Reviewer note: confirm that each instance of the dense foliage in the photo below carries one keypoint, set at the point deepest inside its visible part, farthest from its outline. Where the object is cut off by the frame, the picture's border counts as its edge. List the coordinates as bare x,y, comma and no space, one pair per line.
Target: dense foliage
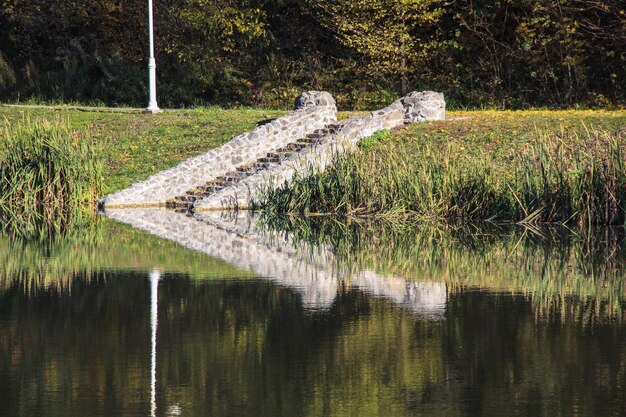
507,53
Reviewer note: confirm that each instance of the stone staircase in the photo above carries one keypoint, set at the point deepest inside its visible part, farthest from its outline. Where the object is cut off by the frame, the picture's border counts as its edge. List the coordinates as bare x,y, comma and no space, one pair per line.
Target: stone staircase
276,157
235,175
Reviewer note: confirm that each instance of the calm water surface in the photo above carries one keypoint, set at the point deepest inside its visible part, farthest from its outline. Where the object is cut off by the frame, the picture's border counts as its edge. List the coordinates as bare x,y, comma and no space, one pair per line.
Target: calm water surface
145,327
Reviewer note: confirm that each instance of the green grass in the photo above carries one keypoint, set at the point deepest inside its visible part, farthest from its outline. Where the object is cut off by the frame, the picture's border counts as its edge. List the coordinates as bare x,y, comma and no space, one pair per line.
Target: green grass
490,143
503,134
534,166
47,169
136,145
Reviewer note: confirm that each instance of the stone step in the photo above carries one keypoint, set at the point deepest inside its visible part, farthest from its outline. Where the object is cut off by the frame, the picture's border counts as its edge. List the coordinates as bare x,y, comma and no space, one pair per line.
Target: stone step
235,174
186,199
210,189
267,160
221,185
225,180
217,182
197,192
185,202
260,166
310,141
279,155
244,168
328,130
295,147
247,169
235,177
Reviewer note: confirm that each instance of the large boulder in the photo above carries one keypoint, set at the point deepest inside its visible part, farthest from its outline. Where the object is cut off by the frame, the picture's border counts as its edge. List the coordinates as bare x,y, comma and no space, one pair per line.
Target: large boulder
315,98
424,106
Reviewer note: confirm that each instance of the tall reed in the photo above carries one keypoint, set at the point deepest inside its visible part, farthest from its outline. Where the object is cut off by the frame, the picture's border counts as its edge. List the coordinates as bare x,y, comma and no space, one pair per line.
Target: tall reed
565,178
47,169
573,178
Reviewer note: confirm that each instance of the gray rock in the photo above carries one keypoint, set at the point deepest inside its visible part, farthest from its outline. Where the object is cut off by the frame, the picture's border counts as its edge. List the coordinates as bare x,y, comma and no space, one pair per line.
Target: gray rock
424,106
315,98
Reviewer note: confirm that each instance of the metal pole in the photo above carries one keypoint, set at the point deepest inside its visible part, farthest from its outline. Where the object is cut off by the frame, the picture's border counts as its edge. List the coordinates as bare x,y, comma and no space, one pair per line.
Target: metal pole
153,107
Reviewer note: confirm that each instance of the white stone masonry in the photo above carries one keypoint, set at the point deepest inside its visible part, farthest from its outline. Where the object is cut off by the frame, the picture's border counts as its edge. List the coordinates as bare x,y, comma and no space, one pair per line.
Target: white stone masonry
314,111
410,109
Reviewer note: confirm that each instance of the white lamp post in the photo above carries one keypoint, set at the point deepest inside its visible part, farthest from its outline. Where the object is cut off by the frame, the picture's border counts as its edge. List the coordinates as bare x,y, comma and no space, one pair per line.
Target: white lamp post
153,107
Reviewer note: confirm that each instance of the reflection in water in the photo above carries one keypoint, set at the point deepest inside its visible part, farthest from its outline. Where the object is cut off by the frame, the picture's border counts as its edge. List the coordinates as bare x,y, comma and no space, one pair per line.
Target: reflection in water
154,322
560,270
313,271
355,321
248,348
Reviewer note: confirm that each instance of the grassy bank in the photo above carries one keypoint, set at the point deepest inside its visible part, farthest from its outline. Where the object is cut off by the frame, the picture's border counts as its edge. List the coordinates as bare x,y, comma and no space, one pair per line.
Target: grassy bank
47,170
534,167
135,146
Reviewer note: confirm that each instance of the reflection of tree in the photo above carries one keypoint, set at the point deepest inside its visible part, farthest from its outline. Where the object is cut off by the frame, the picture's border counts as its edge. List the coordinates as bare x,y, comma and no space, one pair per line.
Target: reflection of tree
249,350
89,346
54,260
253,350
235,348
510,363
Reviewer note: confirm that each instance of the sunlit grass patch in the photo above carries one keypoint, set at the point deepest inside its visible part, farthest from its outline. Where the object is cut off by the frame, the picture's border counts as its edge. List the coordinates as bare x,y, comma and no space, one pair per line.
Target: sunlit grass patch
137,145
47,168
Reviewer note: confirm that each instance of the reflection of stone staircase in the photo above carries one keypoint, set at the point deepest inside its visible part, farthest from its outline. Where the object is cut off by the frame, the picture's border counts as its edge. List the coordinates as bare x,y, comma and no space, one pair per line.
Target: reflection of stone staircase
313,271
271,159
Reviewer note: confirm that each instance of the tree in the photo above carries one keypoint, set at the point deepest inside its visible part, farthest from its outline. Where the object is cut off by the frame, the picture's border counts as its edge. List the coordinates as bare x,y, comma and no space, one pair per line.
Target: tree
390,37
553,52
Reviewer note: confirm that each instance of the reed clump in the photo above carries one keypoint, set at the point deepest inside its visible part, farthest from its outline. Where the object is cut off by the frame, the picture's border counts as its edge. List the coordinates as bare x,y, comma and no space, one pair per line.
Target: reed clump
564,178
47,169
573,178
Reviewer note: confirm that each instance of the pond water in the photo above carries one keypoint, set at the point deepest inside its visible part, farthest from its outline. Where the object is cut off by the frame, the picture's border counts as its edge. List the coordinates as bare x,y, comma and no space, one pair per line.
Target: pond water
230,316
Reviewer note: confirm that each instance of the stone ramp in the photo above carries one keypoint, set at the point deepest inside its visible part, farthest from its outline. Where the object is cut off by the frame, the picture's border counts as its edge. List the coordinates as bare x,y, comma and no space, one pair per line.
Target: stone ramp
271,160
415,107
310,271
233,176
314,110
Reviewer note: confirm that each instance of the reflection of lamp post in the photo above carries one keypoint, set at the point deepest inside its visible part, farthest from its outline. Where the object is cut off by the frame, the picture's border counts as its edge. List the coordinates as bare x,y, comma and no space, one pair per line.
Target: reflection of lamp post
153,107
154,311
